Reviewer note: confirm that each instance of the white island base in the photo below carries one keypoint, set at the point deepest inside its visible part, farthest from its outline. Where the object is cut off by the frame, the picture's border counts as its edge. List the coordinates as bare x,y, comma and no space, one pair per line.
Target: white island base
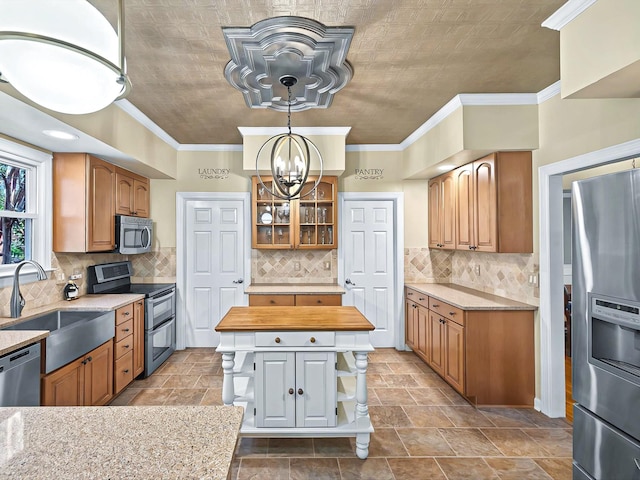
299,383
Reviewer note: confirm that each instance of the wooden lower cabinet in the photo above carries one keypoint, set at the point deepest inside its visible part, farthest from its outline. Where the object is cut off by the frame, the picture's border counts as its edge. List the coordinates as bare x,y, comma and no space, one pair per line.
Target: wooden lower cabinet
485,355
87,381
290,300
128,361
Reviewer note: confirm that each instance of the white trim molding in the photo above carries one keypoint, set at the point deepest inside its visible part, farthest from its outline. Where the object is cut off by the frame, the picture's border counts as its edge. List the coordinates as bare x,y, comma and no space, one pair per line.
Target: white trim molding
181,244
209,147
344,131
567,13
146,122
552,386
382,147
398,213
549,92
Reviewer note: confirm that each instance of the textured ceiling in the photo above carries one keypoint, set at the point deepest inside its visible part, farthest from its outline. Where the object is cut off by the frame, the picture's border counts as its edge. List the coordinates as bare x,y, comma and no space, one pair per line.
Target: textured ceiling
410,57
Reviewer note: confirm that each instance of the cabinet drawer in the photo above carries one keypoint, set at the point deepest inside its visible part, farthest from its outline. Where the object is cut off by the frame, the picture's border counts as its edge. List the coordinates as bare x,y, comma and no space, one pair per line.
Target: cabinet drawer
272,300
123,346
124,329
295,339
417,297
123,372
448,311
124,313
315,300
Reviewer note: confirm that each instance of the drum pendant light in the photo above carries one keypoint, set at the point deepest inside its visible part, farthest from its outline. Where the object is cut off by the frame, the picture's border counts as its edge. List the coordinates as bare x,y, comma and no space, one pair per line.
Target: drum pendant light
63,54
290,158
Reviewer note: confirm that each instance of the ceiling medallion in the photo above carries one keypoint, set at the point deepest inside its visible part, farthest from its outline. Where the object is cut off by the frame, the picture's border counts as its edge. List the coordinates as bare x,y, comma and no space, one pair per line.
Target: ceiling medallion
288,46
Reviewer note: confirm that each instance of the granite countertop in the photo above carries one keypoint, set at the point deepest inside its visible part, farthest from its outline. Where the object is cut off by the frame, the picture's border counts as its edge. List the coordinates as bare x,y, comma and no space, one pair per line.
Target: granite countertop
468,298
118,442
11,340
294,289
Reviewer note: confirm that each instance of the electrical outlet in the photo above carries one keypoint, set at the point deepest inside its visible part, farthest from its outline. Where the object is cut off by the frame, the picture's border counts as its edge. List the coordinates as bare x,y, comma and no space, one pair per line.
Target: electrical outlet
327,265
477,269
296,266
533,280
75,276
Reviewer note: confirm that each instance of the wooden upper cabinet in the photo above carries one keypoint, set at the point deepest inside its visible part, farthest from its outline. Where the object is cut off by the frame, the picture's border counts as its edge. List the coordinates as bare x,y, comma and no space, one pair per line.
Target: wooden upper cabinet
83,203
442,226
132,194
493,204
310,222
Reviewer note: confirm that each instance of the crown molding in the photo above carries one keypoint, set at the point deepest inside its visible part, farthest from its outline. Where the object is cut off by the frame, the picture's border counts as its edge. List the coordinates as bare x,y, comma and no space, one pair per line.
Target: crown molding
344,131
567,13
208,147
133,111
382,147
549,92
450,107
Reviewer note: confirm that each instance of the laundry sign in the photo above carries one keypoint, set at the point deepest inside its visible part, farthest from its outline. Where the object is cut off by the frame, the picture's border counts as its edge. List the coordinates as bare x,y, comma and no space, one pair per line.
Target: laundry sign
369,173
214,173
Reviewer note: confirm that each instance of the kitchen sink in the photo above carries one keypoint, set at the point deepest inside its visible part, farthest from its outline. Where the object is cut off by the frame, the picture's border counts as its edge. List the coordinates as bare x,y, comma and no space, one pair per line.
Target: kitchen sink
72,333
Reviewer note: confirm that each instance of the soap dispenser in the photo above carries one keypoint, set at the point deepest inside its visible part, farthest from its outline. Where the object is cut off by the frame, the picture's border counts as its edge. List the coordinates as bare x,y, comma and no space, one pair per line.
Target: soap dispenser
70,291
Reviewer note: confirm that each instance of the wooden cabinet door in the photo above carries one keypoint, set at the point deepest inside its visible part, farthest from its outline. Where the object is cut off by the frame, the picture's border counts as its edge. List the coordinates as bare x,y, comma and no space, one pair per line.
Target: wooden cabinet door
464,207
141,198
138,338
65,386
124,194
436,355
448,210
315,389
485,205
411,324
435,213
454,356
275,394
101,221
98,375
422,320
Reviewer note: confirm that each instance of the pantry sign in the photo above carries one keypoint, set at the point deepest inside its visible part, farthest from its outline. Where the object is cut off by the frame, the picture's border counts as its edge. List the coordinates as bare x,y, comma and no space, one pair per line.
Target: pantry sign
369,173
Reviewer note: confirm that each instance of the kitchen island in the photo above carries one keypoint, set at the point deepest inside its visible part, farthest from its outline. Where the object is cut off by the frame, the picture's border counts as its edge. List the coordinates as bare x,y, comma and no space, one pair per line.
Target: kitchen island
118,442
298,372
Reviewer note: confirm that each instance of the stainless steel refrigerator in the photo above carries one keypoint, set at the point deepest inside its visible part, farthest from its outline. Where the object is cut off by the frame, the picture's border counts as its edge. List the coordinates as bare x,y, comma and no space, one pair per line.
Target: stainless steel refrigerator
606,326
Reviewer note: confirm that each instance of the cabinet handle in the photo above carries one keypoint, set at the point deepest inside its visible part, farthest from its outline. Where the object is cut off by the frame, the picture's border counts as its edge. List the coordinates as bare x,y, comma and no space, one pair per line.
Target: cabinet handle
421,298
291,391
443,321
272,301
435,305
126,346
414,306
125,329
84,362
126,371
472,247
140,302
126,314
312,339
319,301
277,339
452,313
300,392
89,359
410,294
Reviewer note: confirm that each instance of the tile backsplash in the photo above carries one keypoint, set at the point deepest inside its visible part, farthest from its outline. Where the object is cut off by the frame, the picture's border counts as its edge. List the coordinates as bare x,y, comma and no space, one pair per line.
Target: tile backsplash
161,263
503,274
294,266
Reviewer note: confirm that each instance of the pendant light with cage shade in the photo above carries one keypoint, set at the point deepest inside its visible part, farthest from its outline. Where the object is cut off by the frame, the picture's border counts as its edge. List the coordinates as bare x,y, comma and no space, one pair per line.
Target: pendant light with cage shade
290,158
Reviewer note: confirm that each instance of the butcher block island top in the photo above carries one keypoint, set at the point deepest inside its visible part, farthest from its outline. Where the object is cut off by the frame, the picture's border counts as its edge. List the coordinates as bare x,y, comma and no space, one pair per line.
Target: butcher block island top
325,318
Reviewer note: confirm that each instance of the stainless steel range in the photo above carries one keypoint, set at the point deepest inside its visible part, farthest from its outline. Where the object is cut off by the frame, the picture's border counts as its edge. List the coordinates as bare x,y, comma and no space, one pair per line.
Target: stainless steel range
159,312
606,327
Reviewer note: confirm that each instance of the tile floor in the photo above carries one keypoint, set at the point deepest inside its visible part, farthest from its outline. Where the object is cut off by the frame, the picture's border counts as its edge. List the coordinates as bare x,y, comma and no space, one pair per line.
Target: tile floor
423,428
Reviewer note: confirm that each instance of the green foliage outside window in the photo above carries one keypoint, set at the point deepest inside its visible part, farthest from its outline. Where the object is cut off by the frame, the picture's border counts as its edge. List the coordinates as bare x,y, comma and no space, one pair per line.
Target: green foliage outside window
13,231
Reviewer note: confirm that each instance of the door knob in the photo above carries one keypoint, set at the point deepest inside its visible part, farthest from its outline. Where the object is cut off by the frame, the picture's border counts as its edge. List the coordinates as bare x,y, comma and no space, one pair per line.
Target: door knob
291,391
240,280
349,282
300,392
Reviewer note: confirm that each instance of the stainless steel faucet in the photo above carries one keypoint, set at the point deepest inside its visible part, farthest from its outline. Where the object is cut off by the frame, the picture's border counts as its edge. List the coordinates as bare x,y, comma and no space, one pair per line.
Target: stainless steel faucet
17,301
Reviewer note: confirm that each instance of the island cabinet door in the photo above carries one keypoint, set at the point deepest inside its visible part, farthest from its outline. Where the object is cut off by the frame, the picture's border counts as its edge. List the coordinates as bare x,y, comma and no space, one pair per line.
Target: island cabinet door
316,389
275,381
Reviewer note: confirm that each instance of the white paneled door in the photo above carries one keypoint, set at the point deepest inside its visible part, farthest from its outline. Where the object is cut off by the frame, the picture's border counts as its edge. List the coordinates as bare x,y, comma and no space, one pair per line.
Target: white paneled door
214,242
369,266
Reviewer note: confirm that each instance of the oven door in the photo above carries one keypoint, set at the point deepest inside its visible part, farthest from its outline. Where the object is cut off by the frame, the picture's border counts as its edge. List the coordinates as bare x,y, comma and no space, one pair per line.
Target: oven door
159,344
160,308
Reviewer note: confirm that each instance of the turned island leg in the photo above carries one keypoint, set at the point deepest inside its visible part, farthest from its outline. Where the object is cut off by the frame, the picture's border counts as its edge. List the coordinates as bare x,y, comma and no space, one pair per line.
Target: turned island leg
362,410
227,380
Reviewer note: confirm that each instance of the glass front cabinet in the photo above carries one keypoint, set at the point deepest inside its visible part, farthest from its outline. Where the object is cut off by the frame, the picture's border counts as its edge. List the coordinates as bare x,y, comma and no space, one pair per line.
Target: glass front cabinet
309,222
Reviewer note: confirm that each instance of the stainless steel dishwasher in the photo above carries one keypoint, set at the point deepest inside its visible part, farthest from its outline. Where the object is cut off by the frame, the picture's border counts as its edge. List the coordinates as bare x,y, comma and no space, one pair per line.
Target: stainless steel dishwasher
20,377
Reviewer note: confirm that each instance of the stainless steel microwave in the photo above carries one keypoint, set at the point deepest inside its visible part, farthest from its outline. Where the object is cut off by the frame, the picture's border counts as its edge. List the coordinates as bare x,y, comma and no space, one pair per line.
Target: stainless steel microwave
133,234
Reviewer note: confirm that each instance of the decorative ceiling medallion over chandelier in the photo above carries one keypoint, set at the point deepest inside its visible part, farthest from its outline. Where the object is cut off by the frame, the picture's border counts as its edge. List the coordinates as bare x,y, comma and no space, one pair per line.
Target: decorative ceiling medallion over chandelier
288,46
63,54
290,158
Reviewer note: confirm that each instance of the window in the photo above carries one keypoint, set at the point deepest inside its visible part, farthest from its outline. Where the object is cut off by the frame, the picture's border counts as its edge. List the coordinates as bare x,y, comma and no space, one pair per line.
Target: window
25,204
